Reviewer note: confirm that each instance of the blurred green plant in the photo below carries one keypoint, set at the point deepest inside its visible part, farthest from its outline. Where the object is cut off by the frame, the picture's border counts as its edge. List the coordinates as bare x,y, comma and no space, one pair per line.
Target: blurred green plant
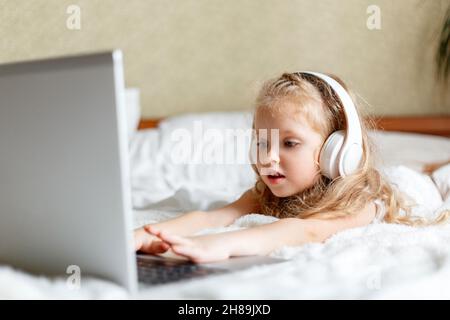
443,51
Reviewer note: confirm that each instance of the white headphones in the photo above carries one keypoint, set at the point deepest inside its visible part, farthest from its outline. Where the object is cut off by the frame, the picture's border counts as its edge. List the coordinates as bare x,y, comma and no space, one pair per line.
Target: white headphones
342,152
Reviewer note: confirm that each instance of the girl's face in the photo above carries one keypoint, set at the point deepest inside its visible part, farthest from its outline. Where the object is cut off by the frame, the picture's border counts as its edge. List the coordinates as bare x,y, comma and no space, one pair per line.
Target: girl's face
296,159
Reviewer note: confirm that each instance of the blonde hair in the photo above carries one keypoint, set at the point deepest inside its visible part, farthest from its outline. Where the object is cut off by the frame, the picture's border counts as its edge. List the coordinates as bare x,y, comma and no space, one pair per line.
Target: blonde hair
327,198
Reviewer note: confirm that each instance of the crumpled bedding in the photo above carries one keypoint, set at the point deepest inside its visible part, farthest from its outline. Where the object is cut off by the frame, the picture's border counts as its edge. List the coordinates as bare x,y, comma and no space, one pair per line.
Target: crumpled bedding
379,261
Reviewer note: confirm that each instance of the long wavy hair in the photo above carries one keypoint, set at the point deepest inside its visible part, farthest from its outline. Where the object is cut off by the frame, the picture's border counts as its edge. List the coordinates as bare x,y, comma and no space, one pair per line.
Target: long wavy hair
328,198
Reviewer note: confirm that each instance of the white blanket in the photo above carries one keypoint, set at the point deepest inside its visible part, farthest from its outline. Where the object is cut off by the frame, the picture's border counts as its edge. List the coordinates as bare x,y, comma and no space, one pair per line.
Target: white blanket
376,261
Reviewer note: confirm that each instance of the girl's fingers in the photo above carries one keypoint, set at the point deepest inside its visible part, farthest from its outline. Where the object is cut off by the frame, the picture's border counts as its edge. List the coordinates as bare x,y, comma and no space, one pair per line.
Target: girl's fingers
186,251
173,239
137,245
169,238
151,229
160,246
155,246
182,251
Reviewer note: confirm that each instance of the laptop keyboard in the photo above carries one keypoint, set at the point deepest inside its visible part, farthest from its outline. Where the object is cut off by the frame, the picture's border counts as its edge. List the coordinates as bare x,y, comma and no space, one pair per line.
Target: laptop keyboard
159,271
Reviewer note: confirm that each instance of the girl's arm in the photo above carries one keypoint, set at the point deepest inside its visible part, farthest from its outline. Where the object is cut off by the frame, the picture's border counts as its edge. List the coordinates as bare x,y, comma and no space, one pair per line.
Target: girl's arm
294,232
263,239
194,221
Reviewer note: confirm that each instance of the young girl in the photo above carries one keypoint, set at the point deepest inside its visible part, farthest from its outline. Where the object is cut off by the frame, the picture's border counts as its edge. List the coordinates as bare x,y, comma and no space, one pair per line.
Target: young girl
290,185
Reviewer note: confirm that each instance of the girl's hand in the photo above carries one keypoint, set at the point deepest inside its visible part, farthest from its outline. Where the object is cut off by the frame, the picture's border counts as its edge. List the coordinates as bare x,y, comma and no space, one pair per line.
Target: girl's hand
198,249
145,242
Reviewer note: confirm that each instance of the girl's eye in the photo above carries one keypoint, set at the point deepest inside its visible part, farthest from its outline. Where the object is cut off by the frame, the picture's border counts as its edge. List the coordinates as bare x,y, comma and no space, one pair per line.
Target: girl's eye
290,144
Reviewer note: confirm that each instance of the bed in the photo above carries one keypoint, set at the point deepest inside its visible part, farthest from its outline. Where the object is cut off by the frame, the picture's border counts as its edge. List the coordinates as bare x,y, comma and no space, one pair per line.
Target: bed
379,261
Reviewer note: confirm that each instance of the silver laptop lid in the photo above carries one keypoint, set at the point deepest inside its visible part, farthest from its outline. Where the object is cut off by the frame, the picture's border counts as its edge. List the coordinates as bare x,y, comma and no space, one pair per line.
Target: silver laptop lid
64,176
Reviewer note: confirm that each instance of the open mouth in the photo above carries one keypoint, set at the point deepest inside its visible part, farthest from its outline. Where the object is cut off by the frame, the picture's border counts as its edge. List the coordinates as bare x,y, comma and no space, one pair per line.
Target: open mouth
276,178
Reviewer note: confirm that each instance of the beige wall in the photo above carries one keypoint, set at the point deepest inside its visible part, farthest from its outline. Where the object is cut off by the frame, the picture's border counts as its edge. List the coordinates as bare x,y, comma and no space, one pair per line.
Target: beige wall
202,55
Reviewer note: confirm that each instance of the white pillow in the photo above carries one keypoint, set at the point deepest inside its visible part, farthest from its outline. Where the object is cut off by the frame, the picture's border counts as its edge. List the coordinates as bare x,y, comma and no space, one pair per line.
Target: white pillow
441,178
418,187
146,169
217,176
155,173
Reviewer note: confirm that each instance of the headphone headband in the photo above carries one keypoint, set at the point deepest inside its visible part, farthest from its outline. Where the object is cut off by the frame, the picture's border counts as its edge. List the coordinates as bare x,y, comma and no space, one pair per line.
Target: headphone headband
351,116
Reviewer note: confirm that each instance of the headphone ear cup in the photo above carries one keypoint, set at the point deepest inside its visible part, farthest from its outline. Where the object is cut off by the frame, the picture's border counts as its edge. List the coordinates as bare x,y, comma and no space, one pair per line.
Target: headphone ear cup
330,154
351,160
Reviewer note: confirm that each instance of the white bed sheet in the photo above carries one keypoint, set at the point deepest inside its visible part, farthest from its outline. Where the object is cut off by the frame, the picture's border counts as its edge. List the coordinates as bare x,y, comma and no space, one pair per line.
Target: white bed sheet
376,261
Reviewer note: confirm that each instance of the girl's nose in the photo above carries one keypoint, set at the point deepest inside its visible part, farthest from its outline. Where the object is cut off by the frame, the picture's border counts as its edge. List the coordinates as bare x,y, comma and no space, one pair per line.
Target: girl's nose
268,157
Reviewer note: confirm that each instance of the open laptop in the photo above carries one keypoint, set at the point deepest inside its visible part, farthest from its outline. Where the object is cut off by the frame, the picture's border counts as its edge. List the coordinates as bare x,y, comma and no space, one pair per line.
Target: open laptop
64,175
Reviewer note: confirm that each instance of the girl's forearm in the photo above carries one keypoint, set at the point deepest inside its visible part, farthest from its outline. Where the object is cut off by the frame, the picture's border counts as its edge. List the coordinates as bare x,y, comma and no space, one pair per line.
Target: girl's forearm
264,239
186,224
294,232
